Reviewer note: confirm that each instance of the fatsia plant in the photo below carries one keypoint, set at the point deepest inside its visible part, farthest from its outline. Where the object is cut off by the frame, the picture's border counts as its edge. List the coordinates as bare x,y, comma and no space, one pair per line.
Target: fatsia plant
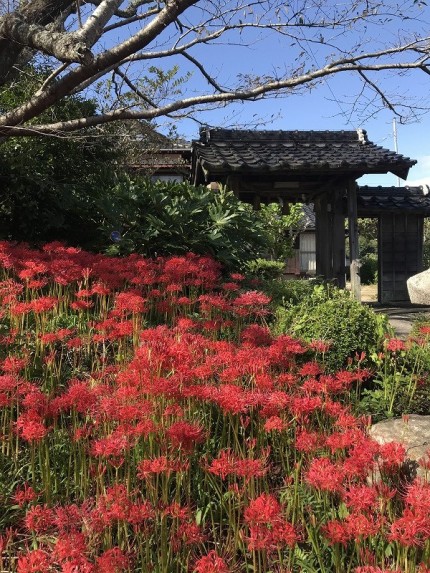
159,218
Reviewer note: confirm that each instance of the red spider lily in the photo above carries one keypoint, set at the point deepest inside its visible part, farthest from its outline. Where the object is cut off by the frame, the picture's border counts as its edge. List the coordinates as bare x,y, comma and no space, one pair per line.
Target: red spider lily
112,561
128,302
188,533
252,298
256,335
361,459
36,401
140,512
410,530
71,547
360,497
275,424
113,506
395,345
233,399
230,287
160,465
39,519
79,396
14,364
237,277
36,561
211,563
24,495
344,440
323,474
267,528
374,569
69,518
213,301
283,349
20,308
393,454
57,336
418,497
227,463
275,403
81,305
177,511
43,304
310,369
303,406
308,441
336,531
30,426
11,386
83,293
321,346
185,435
363,525
113,446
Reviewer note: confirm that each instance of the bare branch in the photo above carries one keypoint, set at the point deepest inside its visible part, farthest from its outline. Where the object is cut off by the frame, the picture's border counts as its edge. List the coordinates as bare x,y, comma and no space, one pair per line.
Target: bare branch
198,65
91,31
383,97
135,90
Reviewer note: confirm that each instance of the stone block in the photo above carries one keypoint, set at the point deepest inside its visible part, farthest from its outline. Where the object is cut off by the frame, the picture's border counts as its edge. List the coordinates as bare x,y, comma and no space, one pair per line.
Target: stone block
419,288
412,431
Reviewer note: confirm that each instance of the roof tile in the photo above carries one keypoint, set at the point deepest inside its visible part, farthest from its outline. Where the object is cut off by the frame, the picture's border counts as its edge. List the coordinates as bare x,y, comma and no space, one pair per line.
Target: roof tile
250,150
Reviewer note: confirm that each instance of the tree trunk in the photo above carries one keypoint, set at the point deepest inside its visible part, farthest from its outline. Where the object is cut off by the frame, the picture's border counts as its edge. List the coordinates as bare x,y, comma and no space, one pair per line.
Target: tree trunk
41,12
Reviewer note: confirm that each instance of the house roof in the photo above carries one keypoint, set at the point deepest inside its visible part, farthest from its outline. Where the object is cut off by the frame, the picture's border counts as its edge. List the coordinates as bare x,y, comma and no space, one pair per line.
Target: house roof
251,151
393,199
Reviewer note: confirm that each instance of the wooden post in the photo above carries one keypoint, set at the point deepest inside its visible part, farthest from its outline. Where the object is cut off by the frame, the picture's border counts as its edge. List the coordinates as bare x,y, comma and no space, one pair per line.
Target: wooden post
354,252
323,243
338,231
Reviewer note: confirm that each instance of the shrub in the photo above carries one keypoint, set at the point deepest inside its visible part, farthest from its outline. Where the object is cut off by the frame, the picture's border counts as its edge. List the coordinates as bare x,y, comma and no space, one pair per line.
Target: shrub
164,218
369,269
330,314
266,269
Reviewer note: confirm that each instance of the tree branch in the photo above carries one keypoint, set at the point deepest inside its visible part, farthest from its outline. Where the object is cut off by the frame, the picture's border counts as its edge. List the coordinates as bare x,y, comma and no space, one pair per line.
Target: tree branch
63,46
350,65
93,27
108,59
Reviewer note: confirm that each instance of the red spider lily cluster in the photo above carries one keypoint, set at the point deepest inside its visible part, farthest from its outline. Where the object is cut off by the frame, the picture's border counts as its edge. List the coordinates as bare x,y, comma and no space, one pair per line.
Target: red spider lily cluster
150,422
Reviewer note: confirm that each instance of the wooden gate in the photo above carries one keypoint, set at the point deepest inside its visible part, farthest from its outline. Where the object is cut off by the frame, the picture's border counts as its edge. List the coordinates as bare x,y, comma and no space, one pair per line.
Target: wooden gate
400,254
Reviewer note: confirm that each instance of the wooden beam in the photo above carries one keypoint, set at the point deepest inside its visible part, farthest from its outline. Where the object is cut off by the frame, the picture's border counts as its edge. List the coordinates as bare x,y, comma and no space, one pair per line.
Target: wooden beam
354,251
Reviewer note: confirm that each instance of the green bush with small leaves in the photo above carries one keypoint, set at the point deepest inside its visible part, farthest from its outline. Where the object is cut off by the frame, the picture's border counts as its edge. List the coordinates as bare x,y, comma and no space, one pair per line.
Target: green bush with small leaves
331,314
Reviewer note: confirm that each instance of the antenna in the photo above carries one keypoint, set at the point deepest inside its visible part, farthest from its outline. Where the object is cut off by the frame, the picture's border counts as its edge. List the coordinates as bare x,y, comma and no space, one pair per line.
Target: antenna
396,147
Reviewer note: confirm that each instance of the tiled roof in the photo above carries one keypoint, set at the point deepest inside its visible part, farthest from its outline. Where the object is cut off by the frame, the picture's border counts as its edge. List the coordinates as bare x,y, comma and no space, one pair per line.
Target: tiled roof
308,221
251,151
394,199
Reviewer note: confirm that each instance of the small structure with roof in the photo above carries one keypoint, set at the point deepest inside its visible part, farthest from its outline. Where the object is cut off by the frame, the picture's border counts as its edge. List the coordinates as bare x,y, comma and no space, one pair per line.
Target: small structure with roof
319,167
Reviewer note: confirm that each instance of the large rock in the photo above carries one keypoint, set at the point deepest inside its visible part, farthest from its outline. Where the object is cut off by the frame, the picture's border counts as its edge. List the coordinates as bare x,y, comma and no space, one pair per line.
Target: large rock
419,288
412,431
